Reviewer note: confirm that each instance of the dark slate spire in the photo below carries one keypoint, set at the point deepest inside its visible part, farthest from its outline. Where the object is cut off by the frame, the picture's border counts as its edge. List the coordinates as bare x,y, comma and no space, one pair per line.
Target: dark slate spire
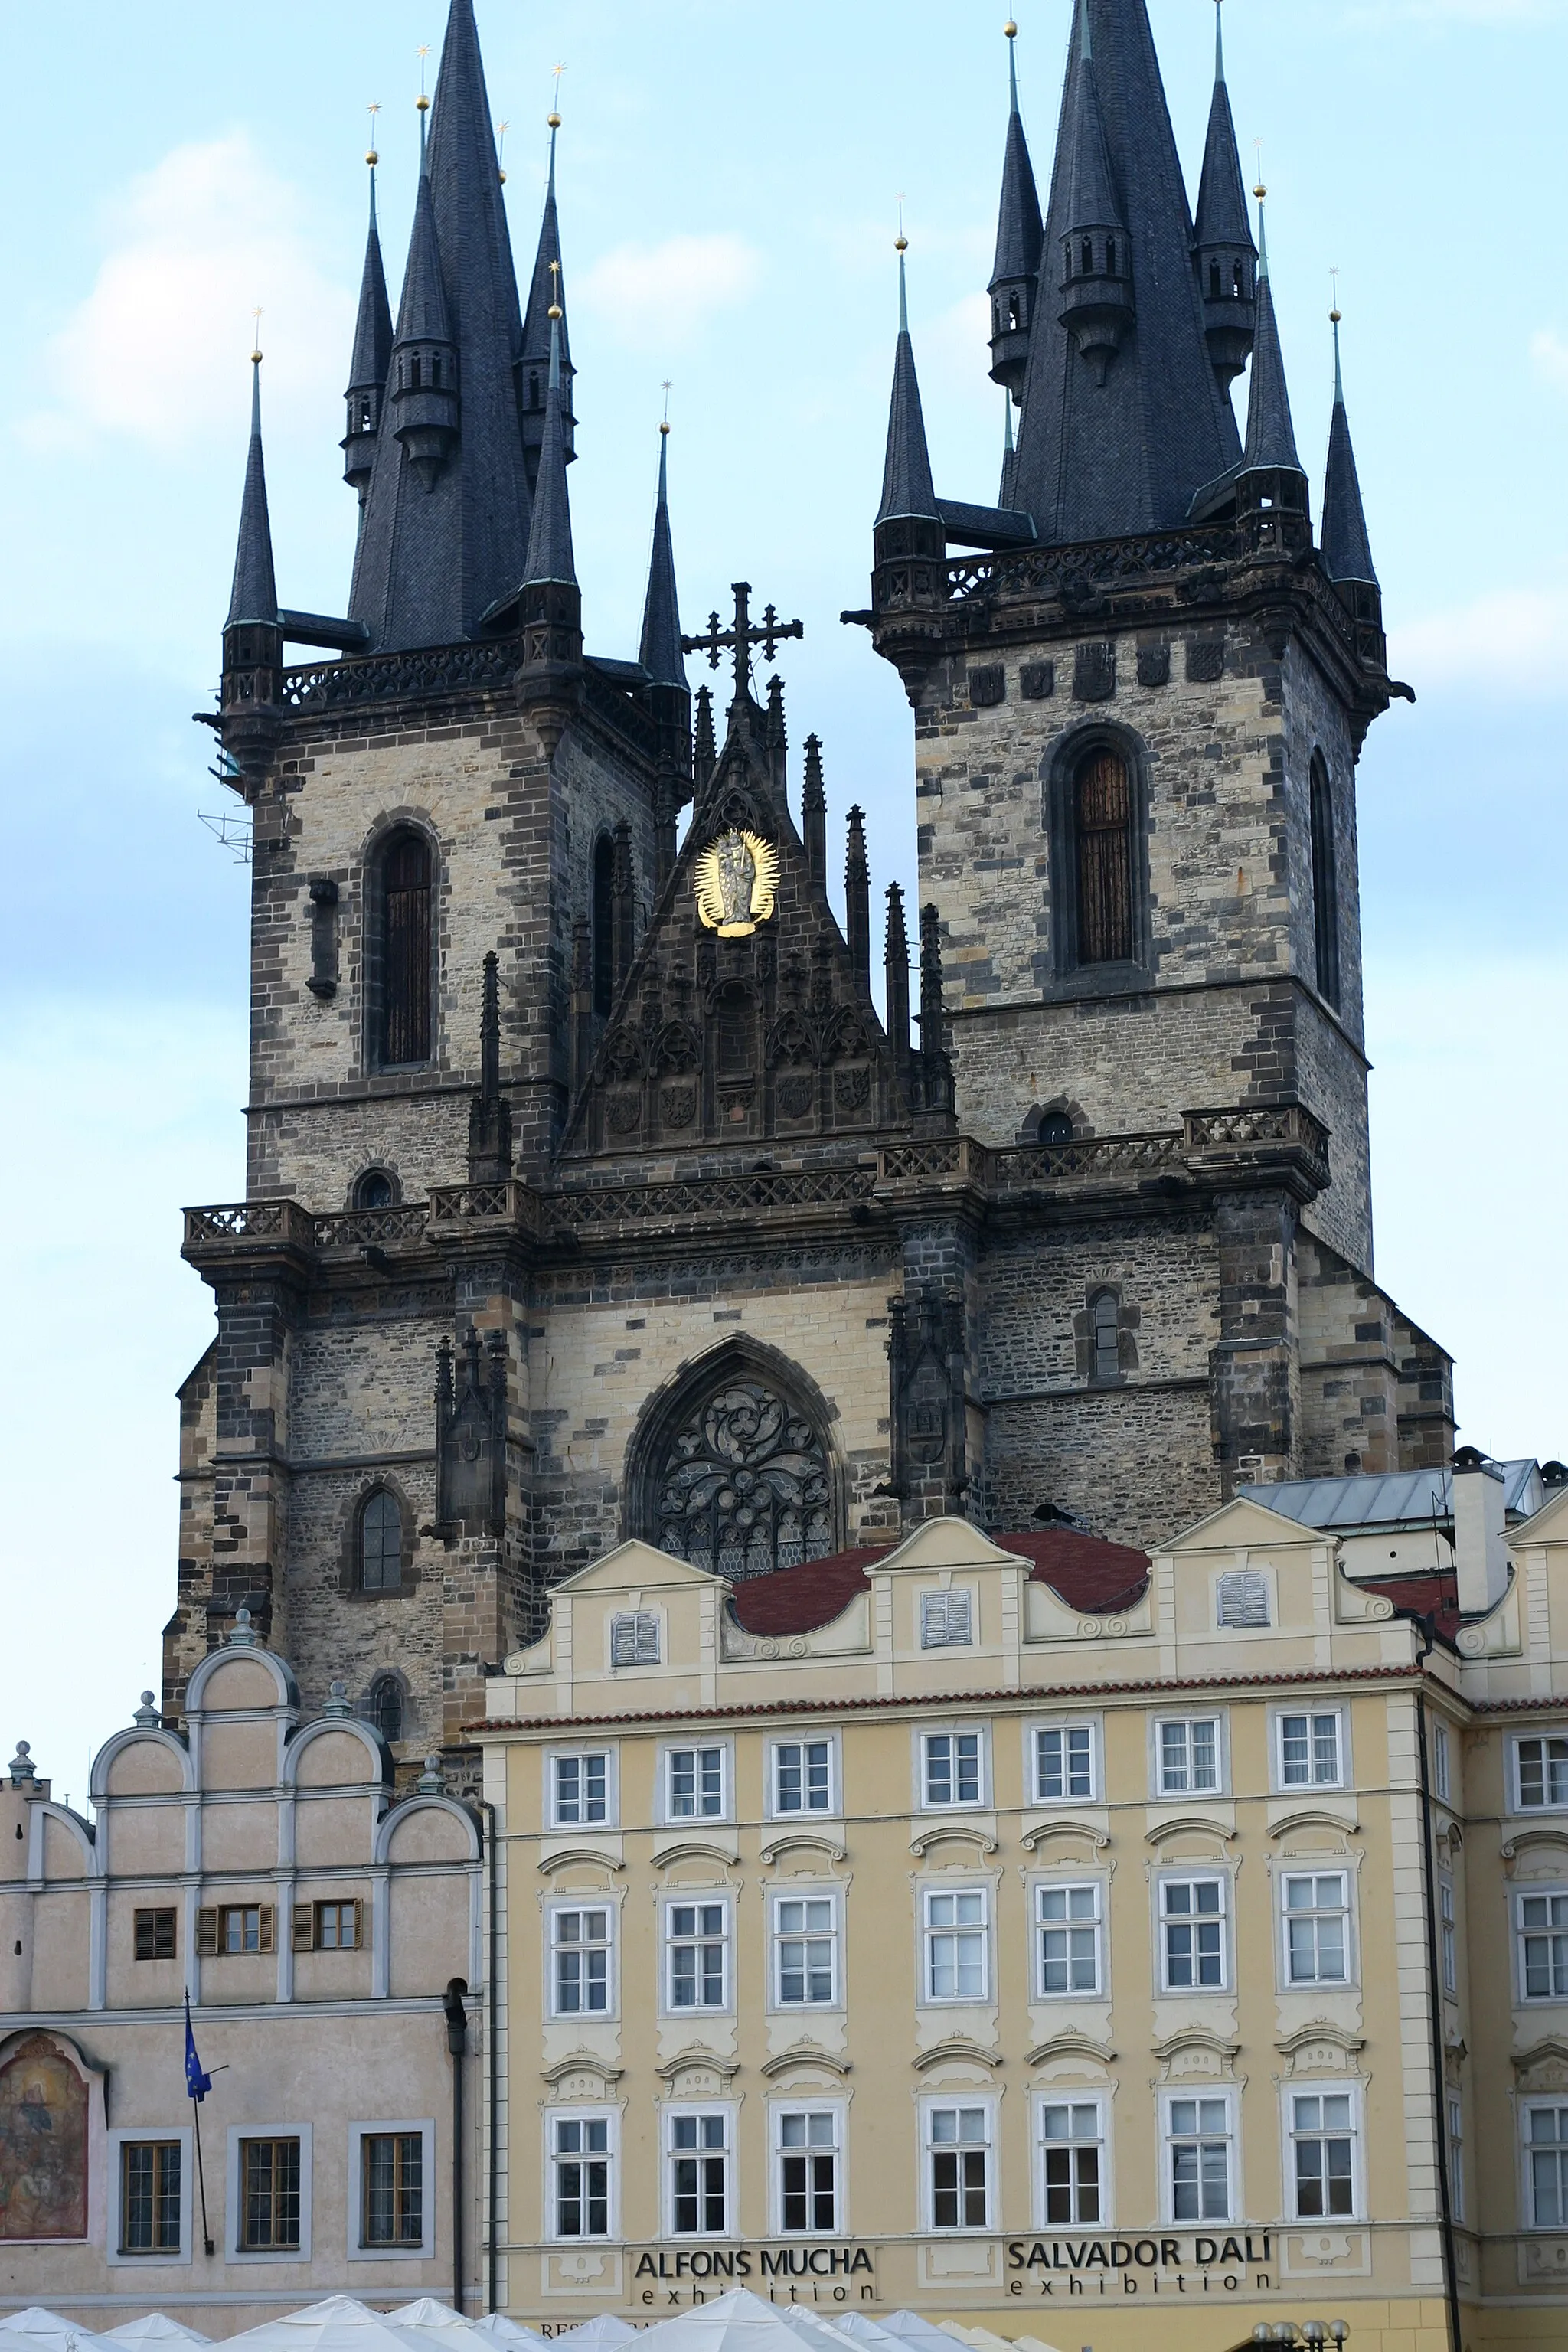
1096,274
490,1115
1347,550
814,810
254,599
424,399
1223,250
370,358
857,898
1020,234
896,967
547,286
660,653
704,750
1271,486
1128,455
1009,457
908,493
430,564
550,555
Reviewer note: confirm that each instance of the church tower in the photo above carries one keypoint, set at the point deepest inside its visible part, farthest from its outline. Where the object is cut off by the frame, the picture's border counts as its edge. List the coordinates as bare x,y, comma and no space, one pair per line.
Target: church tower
589,1193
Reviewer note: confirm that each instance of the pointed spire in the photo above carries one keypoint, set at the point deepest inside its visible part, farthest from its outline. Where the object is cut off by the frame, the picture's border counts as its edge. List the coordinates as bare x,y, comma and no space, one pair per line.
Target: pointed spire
1270,435
1347,549
660,653
908,493
254,599
857,898
550,555
370,357
813,812
1223,250
490,1117
896,968
1097,305
1010,455
777,737
546,289
704,750
424,401
1020,236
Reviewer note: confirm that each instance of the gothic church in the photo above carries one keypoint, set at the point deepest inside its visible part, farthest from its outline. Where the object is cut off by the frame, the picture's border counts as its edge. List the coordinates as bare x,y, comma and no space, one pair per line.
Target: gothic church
591,1190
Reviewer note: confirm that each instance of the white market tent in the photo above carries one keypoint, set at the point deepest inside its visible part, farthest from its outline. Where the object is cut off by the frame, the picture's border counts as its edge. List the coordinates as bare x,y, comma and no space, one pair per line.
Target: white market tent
338,2323
604,2329
442,2329
39,2330
507,2333
919,2335
155,2331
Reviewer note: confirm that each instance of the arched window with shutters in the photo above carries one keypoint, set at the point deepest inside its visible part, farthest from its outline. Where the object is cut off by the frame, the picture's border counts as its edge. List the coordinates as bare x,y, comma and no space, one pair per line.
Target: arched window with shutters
404,962
1103,828
1325,885
602,924
385,1709
380,1544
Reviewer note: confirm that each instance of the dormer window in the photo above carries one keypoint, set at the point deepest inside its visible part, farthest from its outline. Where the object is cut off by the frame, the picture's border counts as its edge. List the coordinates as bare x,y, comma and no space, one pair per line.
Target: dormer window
1214,287
1111,257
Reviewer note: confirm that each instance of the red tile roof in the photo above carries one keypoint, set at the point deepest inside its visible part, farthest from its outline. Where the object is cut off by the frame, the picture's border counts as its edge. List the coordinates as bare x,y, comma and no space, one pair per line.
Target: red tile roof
1086,1573
1420,1596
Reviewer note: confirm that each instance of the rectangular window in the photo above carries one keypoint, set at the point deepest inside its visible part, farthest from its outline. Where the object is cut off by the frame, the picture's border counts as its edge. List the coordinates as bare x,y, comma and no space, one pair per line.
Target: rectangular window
155,1935
1189,1757
1064,1762
1442,1766
802,1776
392,2188
1457,2157
808,2157
580,1790
1448,1933
695,1784
1192,1934
1542,1766
337,1927
580,2159
1546,2151
1322,2137
1069,1929
634,1638
269,2196
945,1621
1072,2165
1317,1928
239,1927
580,1962
1310,1751
150,2196
1199,2155
805,1948
1543,1947
699,2176
958,2159
956,1957
698,1941
950,1771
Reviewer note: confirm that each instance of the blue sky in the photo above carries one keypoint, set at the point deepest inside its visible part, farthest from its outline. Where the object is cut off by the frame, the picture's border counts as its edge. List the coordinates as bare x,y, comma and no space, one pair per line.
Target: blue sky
728,176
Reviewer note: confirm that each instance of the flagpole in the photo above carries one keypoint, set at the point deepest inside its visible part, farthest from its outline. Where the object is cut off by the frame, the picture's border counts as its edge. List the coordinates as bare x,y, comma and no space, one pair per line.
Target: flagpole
198,2084
201,2176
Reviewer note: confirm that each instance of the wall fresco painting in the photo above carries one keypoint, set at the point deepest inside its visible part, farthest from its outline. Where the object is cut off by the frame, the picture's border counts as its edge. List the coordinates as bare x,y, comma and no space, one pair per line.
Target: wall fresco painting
43,2142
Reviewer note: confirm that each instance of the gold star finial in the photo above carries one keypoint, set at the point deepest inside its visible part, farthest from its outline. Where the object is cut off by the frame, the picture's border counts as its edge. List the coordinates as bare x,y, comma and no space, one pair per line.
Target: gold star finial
422,52
256,337
373,109
554,116
1335,314
664,426
501,129
900,243
1259,191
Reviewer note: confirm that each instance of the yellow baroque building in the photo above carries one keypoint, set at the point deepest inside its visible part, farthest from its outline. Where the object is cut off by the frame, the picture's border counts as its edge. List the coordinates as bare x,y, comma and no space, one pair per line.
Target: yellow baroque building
1043,1938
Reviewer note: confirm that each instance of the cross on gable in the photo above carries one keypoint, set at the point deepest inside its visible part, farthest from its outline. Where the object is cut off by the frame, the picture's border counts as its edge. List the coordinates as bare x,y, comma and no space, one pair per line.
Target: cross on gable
743,636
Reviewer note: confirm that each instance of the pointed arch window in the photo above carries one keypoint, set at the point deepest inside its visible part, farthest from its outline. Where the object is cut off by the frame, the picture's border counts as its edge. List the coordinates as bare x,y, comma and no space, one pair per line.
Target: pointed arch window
1325,885
385,1709
1102,813
738,1478
380,1543
734,1047
603,924
405,959
1105,1334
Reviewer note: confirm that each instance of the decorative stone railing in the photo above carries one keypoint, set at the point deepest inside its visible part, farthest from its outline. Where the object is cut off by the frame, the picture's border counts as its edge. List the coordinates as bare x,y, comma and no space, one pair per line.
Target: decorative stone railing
1069,572
388,677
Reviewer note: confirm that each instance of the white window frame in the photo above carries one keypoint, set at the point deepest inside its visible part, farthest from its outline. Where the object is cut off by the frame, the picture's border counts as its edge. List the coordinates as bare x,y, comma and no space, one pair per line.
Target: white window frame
668,1815
1158,1725
833,1808
1169,2100
1193,1876
1312,2089
429,2192
554,1906
138,2135
1442,1763
698,1899
584,2114
672,2115
779,1895
659,1623
936,1601
1308,1867
985,2101
1455,2105
233,2201
930,1894
1306,1789
807,2106
1528,2107
924,1735
1089,1724
1069,1887
608,1750
1070,2095
1516,1786
1557,1892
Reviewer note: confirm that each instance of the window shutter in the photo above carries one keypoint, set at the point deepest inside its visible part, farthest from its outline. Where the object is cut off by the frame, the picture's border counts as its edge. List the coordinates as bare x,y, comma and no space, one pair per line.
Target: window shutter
145,1936
944,1621
359,1926
1242,1597
268,1937
303,1938
206,1934
634,1638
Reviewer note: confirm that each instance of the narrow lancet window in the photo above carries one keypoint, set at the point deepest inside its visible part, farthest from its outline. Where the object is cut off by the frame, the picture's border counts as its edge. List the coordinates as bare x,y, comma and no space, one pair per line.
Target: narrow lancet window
406,951
603,924
1103,822
1325,886
380,1544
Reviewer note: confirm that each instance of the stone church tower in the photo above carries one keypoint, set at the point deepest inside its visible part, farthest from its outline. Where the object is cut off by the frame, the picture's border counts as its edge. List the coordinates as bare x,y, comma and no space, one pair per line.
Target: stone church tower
590,1193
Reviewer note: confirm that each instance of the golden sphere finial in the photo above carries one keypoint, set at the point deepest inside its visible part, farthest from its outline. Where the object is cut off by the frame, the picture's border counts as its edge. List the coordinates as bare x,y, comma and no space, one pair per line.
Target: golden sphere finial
552,121
1260,192
372,158
1011,29
423,103
664,425
900,245
555,310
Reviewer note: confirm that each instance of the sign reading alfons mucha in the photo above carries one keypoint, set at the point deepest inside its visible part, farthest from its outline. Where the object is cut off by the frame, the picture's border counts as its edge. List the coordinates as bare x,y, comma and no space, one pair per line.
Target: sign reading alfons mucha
737,878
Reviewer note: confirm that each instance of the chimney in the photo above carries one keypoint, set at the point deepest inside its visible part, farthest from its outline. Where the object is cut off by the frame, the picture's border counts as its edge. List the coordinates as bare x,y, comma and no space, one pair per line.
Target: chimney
1481,1543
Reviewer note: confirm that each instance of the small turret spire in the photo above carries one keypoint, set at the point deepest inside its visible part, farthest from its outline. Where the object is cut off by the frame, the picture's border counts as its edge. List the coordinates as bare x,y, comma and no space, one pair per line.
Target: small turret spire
1020,238
660,652
814,810
1222,252
1009,454
896,968
857,898
550,556
371,354
254,599
908,493
1271,488
1096,282
1347,549
423,401
546,292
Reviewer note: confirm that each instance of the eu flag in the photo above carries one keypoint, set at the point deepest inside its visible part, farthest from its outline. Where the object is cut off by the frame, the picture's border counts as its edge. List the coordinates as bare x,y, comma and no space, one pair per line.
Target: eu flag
196,2084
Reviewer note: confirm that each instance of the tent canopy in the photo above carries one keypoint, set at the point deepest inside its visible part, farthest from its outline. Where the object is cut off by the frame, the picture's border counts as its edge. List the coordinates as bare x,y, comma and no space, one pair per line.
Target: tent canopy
153,2332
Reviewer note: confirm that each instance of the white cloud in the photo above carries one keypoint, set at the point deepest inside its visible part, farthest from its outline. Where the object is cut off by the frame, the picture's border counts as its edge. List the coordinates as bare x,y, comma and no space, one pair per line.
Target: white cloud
156,351
1515,640
656,297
